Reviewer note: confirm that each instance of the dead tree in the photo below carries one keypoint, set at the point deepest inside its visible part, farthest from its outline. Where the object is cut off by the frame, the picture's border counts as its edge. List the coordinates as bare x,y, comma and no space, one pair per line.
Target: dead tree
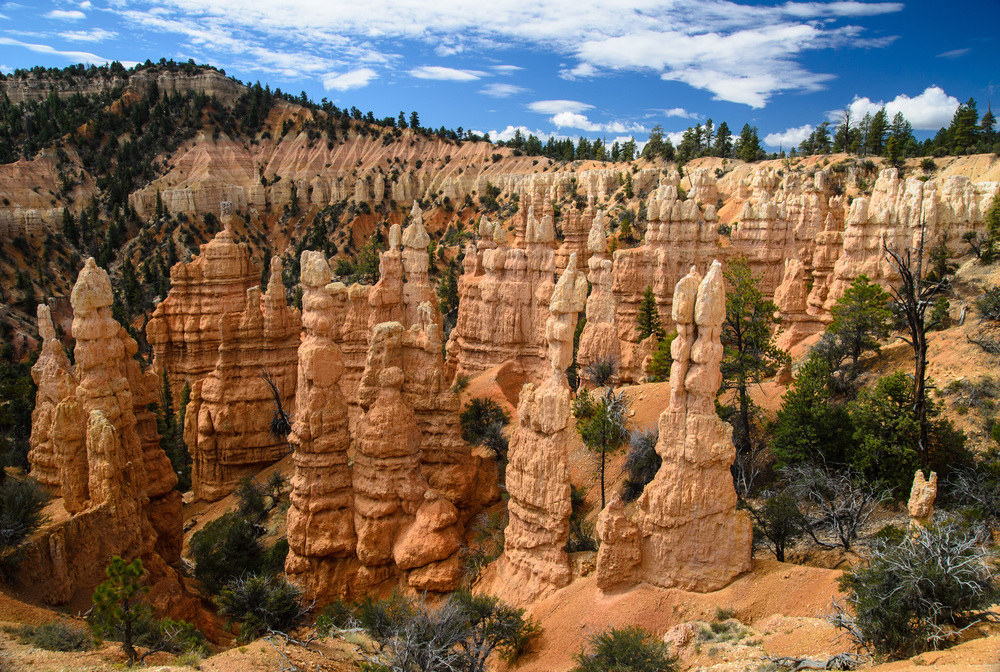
913,296
281,423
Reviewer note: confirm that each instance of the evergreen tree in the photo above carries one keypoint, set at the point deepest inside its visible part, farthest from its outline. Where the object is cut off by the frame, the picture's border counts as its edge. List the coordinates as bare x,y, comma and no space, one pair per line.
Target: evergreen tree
69,227
861,318
748,340
877,131
963,130
414,120
648,321
118,610
811,426
723,141
748,146
447,291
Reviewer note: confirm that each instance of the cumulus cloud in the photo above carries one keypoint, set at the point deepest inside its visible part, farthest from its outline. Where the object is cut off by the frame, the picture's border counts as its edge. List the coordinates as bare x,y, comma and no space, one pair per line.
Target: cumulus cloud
71,56
558,106
928,111
353,79
790,137
446,74
502,90
92,35
703,43
580,121
679,112
508,133
65,14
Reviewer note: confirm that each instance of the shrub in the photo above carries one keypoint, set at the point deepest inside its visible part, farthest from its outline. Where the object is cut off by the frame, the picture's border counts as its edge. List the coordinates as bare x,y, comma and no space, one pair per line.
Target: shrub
601,372
226,548
262,604
54,636
778,521
920,593
478,415
118,613
988,304
21,504
628,649
487,542
581,532
660,362
641,462
464,633
886,435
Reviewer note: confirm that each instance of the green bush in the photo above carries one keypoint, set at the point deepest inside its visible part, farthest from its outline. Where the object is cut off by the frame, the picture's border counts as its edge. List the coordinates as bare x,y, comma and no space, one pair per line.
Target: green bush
658,370
262,604
886,435
920,593
477,416
641,462
628,649
226,548
21,504
988,304
54,636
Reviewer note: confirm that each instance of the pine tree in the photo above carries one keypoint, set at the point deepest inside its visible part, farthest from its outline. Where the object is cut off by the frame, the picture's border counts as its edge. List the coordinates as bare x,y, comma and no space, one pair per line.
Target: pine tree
748,340
118,610
723,141
648,322
69,227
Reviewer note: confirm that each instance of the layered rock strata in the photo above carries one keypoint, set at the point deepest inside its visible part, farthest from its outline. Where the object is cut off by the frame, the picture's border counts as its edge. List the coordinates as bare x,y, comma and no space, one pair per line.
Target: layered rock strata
504,293
184,329
228,423
684,531
534,562
599,339
321,540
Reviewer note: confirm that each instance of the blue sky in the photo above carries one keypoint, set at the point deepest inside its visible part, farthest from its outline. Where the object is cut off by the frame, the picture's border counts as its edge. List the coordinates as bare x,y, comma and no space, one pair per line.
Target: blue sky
600,68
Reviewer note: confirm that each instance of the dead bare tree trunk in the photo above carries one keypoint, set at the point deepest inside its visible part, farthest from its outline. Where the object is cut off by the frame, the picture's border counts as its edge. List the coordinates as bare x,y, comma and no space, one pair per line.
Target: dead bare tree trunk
913,296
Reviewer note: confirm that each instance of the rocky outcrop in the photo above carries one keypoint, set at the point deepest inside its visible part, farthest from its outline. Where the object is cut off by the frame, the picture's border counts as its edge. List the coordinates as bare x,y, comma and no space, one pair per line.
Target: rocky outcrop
534,562
54,380
184,330
321,539
599,340
679,234
684,530
116,481
922,496
228,423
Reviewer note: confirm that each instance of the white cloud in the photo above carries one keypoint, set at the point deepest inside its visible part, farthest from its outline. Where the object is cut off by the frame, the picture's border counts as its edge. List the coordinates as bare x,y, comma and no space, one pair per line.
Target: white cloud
502,90
86,4
679,112
505,69
92,35
675,137
577,120
72,56
65,14
353,79
557,106
739,52
446,74
508,133
574,120
928,111
954,53
791,137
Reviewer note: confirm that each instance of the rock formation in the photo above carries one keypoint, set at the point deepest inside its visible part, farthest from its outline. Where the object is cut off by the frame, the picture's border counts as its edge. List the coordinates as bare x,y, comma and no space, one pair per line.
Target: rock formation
684,530
184,330
534,562
54,379
116,481
403,525
922,496
504,295
599,340
228,426
321,537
